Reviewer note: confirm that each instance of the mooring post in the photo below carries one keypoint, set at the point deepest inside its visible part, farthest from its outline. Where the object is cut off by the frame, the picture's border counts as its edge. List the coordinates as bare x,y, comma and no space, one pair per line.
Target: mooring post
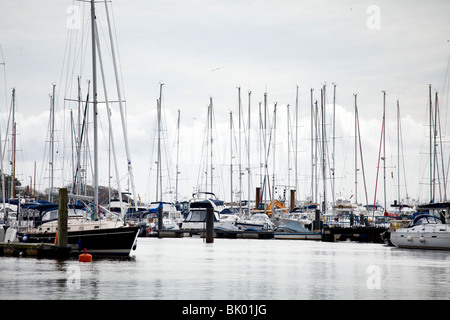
62,217
160,220
317,221
209,225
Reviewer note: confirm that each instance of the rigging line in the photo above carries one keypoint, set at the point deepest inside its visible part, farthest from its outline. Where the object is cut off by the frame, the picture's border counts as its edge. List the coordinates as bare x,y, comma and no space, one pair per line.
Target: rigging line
378,169
444,179
219,155
361,154
403,157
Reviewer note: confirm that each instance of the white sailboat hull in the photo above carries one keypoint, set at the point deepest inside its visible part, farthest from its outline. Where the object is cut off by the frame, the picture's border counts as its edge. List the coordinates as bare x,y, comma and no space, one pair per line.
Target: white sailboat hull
423,237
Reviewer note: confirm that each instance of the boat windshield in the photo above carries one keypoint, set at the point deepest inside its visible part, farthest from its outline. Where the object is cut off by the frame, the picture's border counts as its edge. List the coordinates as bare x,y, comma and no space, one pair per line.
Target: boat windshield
72,213
427,220
198,216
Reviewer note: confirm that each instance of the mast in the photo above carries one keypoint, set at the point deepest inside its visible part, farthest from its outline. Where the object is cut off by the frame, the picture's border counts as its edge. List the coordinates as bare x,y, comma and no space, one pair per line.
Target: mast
231,159
94,86
211,141
13,135
296,145
240,152
384,147
312,147
52,142
324,155
398,152
289,147
159,164
356,153
248,152
265,151
274,153
333,171
178,149
431,150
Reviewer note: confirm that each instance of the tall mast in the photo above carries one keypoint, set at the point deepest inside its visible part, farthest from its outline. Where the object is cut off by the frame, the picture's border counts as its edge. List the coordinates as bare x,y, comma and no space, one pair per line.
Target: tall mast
324,155
13,141
94,86
159,164
356,153
240,151
231,159
435,149
210,120
178,149
52,142
312,147
296,145
398,152
274,153
289,147
384,147
430,144
333,171
248,152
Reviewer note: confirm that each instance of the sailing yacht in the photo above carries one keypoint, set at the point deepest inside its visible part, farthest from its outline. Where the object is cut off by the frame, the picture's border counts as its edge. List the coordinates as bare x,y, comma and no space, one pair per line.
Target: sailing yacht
90,226
106,235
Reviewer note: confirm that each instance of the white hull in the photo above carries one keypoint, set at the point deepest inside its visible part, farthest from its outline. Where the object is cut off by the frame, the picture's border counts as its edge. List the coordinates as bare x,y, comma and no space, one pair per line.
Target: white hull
423,237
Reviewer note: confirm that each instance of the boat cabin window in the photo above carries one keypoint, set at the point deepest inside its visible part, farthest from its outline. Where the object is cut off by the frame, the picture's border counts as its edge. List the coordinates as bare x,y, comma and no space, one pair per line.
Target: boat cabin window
72,213
198,216
427,220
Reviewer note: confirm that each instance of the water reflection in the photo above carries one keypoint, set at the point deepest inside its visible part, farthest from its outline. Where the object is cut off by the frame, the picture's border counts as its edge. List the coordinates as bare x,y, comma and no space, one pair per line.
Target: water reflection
240,269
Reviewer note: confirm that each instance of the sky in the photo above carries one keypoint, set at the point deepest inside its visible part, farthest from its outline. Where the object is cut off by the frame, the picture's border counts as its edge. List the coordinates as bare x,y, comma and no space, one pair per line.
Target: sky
206,49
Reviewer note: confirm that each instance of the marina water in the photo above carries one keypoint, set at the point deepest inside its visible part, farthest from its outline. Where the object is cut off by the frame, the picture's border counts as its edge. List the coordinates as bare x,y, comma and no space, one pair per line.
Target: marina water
235,269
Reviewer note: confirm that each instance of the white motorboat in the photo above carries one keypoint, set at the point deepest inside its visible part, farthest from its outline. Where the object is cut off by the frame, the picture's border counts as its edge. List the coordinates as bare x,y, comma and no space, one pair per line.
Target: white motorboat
258,222
196,219
424,232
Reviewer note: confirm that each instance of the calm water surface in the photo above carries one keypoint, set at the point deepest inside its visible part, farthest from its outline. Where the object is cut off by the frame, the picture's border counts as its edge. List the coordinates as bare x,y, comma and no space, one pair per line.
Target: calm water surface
236,269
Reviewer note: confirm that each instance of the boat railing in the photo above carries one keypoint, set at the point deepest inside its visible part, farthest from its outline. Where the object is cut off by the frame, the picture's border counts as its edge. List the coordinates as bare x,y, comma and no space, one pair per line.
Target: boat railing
356,221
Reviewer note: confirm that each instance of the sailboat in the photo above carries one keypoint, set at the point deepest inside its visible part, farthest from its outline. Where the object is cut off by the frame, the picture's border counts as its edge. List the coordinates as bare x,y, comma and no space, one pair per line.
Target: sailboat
93,228
430,228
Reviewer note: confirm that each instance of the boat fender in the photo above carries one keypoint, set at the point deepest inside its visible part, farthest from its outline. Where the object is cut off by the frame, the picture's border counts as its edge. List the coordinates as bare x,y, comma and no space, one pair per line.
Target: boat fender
56,238
422,239
409,238
85,257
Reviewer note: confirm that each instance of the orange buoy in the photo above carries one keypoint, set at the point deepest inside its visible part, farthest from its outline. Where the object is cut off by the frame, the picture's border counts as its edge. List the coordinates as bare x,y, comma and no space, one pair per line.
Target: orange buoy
85,257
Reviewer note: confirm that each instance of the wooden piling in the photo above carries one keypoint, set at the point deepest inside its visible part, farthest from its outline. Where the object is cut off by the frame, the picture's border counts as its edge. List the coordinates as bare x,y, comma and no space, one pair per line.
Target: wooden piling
292,201
62,217
160,219
317,226
209,225
258,197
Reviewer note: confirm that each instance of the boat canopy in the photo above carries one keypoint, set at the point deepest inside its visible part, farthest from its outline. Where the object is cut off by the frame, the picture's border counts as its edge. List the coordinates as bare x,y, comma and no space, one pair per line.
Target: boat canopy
199,215
424,219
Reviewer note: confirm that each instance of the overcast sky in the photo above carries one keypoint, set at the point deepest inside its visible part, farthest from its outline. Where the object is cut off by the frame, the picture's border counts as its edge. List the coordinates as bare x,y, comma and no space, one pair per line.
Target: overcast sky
202,49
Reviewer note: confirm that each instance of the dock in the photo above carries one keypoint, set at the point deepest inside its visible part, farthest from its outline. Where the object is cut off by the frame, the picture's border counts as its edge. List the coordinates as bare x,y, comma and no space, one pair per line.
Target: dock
354,233
328,233
36,250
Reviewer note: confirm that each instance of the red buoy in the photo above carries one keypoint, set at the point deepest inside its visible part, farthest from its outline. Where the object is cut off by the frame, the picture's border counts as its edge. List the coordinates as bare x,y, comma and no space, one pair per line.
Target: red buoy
85,257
